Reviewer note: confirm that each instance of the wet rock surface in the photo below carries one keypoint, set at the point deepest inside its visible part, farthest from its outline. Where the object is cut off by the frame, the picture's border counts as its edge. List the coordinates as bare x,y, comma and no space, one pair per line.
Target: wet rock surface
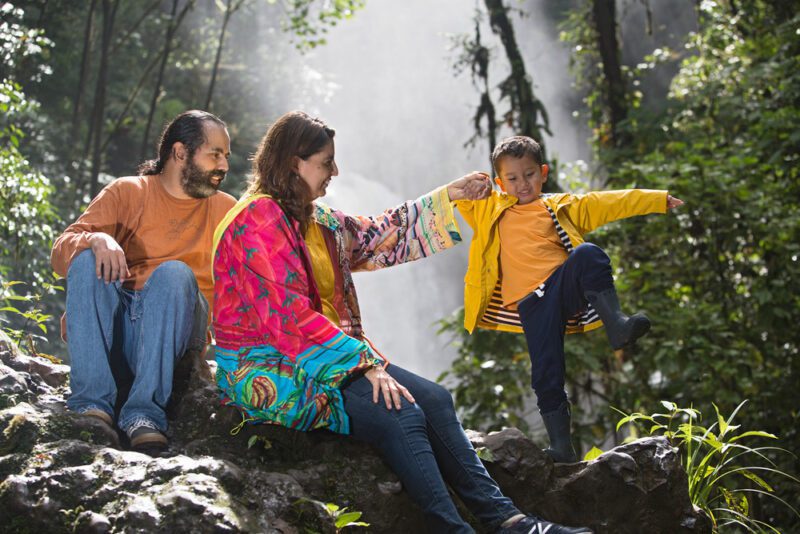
63,472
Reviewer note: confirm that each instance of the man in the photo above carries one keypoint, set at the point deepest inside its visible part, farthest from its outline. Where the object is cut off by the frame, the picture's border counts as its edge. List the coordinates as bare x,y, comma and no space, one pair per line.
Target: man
138,269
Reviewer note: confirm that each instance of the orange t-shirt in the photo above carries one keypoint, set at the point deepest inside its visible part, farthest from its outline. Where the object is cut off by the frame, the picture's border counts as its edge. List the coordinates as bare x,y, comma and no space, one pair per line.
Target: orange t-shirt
151,226
530,249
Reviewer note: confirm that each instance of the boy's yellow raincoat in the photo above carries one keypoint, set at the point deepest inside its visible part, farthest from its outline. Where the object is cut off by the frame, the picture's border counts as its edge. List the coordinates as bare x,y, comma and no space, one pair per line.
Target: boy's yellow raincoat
576,215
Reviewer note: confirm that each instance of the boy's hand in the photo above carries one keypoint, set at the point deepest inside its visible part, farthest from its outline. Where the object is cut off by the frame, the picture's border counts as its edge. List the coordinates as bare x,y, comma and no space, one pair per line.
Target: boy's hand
473,186
673,202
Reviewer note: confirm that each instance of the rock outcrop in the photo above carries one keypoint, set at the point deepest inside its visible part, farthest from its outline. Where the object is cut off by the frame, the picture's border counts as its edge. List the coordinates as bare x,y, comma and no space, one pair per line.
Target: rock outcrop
63,472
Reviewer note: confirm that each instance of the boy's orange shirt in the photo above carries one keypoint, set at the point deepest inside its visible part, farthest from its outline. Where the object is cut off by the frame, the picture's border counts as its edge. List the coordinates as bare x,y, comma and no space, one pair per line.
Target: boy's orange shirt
530,249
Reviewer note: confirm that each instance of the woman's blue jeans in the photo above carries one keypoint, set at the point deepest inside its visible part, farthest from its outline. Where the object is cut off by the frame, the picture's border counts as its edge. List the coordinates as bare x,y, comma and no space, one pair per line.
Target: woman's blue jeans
146,331
426,446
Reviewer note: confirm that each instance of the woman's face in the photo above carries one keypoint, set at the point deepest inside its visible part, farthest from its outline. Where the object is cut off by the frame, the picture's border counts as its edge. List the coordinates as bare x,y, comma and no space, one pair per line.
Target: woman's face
318,169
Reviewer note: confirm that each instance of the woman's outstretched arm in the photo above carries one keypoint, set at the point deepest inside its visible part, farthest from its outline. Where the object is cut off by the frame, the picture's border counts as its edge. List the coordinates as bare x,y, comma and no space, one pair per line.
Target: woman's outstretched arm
413,230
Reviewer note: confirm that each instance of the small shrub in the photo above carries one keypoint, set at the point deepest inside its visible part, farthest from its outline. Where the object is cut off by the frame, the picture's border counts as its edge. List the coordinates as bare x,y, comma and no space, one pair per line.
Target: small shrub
723,473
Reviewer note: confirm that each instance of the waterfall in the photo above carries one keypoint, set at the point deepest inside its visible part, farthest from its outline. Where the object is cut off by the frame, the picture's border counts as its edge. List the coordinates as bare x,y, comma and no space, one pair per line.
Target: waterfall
384,81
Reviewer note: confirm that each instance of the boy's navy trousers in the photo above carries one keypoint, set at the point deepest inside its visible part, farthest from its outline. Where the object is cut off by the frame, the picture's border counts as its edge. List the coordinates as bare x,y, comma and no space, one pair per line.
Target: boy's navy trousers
544,318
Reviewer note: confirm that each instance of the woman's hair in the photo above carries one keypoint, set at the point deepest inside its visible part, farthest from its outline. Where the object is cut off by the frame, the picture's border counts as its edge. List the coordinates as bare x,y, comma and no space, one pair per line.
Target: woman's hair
293,134
517,147
187,128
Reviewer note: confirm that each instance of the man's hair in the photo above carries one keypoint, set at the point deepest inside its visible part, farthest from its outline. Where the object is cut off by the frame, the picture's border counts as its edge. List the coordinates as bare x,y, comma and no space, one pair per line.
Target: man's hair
187,128
293,134
517,147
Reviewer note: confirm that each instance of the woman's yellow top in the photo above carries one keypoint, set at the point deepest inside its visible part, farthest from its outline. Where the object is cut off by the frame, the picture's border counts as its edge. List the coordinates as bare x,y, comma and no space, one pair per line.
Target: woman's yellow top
322,265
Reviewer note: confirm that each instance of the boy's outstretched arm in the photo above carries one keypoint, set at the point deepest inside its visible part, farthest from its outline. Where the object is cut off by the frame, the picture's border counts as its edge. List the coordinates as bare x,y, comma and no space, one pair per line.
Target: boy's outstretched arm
673,202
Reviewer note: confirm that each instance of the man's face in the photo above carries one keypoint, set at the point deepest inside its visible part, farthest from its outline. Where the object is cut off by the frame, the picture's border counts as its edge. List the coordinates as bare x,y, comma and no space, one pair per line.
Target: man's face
205,170
522,177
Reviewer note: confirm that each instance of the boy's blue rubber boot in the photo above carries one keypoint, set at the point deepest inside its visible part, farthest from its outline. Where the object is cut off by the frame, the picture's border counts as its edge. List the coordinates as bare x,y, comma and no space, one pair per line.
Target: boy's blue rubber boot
622,331
557,424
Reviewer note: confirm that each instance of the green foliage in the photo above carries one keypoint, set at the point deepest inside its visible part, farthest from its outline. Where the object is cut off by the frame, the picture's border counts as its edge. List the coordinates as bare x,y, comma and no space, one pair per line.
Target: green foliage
719,277
26,214
23,324
593,453
722,275
27,217
491,375
20,45
309,20
342,519
255,439
485,454
722,470
47,129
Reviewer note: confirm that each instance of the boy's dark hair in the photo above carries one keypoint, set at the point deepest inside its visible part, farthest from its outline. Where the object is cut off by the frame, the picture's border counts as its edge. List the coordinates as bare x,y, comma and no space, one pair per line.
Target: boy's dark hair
187,128
517,147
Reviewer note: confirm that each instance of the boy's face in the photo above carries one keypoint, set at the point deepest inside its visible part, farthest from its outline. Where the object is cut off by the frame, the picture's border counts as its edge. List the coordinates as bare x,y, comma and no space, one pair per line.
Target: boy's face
521,177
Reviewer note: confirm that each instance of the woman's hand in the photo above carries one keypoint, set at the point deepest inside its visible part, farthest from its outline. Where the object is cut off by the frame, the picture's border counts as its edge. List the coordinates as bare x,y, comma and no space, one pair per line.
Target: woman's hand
673,202
473,186
383,382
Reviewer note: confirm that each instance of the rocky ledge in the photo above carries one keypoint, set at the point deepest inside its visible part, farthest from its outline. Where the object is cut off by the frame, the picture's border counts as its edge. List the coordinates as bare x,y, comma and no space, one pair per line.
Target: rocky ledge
62,472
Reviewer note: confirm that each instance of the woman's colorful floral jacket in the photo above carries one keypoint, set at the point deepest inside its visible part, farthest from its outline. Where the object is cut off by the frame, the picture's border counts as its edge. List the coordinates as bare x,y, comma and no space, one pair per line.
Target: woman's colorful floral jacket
280,360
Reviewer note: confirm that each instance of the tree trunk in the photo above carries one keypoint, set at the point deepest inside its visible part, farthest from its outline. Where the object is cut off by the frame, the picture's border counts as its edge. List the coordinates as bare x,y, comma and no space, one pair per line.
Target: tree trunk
40,22
605,22
477,56
85,55
159,79
215,69
171,29
109,13
518,86
135,26
131,99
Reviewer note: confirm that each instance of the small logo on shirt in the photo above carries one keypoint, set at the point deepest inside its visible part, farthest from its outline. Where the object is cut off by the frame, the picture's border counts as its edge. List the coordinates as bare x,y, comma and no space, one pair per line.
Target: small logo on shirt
177,227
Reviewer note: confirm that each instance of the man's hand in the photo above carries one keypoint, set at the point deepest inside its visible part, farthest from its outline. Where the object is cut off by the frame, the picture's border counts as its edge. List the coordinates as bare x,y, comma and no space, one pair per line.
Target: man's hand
473,186
110,264
673,202
383,382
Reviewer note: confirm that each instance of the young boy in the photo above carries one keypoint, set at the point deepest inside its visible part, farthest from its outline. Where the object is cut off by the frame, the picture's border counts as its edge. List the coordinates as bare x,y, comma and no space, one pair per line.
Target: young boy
531,271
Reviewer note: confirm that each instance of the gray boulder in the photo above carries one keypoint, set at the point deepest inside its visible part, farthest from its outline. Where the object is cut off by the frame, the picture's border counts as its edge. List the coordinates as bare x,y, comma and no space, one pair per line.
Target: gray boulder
631,489
63,472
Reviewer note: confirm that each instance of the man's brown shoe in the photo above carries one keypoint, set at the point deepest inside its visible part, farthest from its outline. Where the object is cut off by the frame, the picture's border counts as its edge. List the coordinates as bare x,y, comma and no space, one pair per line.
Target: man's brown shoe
146,438
99,414
102,426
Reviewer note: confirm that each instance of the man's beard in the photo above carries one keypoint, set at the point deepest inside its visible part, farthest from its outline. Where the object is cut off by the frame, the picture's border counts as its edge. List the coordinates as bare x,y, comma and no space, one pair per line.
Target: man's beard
198,183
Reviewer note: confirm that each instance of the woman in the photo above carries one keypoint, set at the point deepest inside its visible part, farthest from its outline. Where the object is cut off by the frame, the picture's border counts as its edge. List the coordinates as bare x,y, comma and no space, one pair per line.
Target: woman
290,347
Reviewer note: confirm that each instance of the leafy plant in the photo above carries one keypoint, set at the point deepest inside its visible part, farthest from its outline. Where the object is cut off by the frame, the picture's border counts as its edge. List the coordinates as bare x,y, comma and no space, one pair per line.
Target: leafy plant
32,319
255,439
722,471
491,375
342,519
309,21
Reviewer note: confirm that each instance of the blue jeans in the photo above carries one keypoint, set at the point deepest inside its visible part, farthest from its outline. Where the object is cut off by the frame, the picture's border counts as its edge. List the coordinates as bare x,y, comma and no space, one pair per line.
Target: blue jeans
425,446
143,332
544,319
